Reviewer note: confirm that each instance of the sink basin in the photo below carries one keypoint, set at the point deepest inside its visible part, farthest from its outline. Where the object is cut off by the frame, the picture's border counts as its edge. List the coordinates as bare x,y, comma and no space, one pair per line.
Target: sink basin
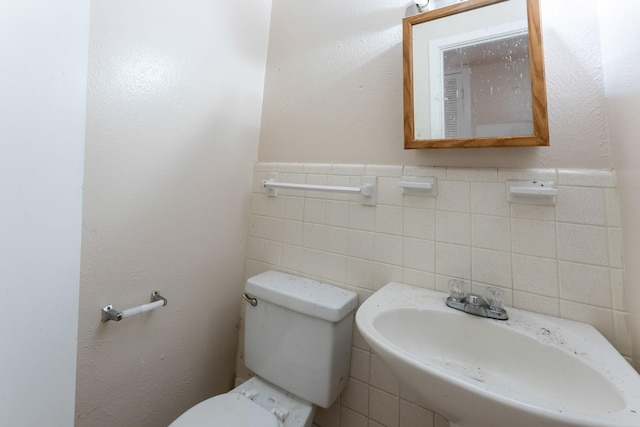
532,369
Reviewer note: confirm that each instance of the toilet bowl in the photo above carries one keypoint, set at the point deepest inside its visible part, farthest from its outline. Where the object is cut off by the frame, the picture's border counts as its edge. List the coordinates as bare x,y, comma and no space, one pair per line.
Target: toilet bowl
298,344
254,403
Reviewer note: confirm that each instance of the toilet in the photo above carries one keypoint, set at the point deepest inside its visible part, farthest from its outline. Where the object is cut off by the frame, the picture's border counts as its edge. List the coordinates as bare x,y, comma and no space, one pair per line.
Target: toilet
298,345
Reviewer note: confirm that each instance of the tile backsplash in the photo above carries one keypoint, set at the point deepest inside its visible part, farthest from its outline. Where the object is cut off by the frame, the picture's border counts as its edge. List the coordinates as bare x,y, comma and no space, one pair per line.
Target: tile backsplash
564,260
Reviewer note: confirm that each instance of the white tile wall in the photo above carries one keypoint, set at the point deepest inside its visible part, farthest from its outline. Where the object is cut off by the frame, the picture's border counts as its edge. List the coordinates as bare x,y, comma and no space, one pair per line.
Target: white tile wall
563,260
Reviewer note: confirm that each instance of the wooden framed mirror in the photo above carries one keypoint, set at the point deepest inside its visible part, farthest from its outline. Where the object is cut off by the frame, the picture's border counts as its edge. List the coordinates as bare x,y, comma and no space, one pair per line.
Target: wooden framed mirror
474,76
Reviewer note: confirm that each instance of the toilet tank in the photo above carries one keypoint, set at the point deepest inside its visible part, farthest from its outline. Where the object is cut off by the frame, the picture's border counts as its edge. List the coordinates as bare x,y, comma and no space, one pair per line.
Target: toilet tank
298,336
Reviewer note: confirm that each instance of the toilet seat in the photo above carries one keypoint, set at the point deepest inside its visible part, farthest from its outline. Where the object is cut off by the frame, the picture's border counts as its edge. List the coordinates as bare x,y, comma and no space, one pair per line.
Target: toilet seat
227,410
254,403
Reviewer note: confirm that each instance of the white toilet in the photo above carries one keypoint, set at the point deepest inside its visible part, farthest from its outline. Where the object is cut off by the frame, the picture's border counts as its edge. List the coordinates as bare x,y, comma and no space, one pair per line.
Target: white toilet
298,343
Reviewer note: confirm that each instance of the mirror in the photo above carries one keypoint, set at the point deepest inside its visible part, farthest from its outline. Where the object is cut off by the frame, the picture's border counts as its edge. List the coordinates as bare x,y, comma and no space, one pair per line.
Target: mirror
474,76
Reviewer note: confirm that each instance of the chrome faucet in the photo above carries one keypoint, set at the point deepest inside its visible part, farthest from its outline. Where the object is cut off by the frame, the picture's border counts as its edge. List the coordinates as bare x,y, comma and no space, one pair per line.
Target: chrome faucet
490,306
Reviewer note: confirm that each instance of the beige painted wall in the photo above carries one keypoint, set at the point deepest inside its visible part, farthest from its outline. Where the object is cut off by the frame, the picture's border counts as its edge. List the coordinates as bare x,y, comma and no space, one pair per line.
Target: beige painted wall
175,93
334,89
621,59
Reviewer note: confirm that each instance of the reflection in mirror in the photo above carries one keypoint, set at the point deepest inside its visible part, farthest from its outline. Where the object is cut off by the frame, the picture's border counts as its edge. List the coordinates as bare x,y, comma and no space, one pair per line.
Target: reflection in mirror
482,89
474,76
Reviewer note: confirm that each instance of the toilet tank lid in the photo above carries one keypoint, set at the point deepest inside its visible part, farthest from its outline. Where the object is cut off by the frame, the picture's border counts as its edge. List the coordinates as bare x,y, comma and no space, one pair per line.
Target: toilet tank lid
305,296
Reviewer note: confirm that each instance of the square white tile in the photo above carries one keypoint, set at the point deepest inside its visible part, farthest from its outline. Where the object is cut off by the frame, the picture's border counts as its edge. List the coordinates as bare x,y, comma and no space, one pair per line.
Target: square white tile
581,205
314,210
337,213
420,223
453,260
489,198
583,243
388,249
362,217
472,174
419,254
384,407
586,284
491,267
537,238
535,275
454,196
453,227
356,396
382,377
491,232
360,244
389,220
536,303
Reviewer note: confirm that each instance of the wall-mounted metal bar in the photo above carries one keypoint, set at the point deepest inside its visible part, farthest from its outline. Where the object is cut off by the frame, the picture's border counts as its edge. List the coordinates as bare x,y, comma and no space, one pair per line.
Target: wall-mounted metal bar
368,189
110,313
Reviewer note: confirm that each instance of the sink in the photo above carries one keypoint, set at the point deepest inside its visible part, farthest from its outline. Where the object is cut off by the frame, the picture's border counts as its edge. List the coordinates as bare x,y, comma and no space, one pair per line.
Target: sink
532,369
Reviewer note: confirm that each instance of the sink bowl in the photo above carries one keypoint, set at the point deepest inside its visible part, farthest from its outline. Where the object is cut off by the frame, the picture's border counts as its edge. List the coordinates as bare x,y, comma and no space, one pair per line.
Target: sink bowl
532,369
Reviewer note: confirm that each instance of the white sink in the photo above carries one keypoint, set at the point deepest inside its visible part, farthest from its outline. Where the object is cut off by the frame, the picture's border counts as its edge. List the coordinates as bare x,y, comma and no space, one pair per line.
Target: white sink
531,370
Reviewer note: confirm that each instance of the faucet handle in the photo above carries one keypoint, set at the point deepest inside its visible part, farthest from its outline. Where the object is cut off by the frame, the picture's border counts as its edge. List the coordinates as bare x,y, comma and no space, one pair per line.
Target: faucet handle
494,297
457,289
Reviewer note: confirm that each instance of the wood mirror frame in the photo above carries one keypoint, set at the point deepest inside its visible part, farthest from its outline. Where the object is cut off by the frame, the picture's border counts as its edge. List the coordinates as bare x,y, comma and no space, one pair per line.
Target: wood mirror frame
540,135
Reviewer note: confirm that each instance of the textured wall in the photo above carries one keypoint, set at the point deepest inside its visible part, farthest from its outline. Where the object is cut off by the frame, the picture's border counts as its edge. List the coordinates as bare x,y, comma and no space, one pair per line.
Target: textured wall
43,85
334,89
621,59
175,93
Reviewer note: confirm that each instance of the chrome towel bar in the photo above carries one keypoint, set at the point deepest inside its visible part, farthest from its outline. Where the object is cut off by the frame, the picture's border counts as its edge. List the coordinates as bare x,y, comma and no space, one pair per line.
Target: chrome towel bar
110,313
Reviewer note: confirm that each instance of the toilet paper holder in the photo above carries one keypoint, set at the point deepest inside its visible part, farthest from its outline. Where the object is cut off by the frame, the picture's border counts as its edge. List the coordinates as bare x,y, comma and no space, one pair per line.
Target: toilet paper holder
110,313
